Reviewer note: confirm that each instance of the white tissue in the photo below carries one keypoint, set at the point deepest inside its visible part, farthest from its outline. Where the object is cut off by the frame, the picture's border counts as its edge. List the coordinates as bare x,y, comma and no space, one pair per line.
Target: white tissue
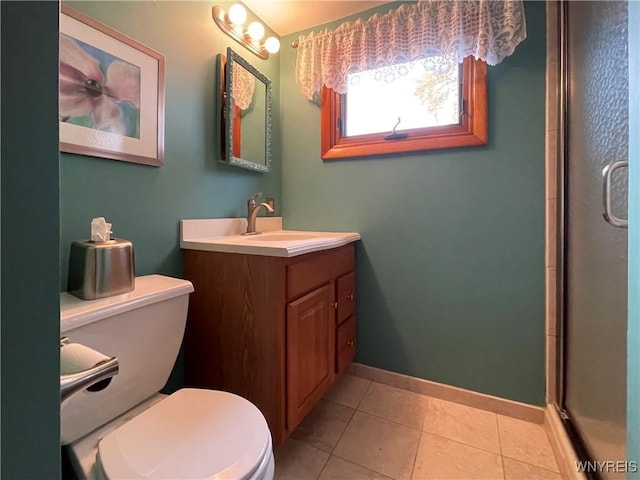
100,230
75,358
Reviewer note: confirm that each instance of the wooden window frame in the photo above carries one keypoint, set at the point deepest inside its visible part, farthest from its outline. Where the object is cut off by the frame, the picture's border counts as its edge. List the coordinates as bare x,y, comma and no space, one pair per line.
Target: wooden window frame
471,131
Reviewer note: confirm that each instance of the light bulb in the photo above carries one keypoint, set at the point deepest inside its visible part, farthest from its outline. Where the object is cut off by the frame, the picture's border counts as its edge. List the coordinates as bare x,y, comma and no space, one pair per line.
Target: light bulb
255,31
237,14
272,45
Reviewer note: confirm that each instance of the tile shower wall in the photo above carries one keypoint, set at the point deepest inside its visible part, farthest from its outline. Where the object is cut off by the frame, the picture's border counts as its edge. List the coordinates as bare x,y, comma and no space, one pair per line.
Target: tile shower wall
145,203
552,137
451,272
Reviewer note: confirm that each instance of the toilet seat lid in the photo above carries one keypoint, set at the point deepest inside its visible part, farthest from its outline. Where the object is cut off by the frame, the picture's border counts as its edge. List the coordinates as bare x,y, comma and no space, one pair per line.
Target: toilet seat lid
192,434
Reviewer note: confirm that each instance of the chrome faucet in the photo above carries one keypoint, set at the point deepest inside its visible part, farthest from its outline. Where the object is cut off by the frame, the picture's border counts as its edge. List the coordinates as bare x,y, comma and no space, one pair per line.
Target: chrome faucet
252,212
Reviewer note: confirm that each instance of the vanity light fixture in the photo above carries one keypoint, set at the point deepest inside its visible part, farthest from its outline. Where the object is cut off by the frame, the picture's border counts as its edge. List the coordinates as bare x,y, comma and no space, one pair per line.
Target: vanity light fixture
232,23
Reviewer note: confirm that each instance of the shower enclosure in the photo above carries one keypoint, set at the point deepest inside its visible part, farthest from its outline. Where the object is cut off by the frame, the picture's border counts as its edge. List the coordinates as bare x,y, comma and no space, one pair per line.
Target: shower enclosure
596,139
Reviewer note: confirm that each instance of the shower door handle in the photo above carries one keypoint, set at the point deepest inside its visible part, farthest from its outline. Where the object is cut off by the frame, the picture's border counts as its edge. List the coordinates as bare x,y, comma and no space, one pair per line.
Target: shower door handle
607,210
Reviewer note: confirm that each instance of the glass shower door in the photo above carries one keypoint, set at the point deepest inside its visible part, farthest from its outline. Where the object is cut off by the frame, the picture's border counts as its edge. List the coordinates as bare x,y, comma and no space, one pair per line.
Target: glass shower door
595,252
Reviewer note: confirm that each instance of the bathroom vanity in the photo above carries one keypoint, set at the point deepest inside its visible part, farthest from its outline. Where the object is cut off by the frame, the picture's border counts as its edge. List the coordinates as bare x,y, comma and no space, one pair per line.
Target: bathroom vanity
276,325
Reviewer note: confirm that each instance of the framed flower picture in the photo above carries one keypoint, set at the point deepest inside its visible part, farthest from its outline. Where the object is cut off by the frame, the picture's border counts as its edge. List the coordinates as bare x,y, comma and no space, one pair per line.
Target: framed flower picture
111,93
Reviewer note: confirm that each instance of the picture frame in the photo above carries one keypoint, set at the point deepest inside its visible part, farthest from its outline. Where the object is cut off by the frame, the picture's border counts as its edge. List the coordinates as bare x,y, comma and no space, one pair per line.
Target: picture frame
111,93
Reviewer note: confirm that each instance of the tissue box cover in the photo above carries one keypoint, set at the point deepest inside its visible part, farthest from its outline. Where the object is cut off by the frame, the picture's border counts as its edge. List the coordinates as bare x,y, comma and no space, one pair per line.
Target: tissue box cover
101,269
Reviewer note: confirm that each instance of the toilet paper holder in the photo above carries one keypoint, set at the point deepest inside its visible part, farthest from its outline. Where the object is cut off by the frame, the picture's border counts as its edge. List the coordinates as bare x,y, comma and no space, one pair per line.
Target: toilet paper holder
73,383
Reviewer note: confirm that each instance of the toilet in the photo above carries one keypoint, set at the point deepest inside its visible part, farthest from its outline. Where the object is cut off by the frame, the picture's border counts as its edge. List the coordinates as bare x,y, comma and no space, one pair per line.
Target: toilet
123,428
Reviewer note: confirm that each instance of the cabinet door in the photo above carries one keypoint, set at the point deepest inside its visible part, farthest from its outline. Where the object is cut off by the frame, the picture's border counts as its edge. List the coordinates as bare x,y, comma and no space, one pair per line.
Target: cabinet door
310,351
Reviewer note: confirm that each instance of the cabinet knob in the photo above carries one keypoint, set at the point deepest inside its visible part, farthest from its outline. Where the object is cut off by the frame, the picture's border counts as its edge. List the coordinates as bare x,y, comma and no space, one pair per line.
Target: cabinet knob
351,343
351,296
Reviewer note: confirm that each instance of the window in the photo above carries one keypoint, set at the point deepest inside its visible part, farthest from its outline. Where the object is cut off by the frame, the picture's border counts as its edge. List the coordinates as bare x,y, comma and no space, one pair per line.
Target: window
439,105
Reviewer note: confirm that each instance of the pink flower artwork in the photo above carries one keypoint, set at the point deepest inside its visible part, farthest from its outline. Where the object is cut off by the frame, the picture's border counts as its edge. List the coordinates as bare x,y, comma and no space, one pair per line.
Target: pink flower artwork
97,89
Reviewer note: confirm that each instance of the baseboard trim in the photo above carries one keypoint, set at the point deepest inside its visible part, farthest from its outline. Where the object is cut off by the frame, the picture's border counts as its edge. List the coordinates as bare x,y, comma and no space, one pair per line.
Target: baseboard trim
561,445
502,406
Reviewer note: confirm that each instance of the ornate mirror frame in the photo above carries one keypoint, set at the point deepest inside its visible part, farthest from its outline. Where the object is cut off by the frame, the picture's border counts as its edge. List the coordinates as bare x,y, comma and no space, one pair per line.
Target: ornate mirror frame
230,114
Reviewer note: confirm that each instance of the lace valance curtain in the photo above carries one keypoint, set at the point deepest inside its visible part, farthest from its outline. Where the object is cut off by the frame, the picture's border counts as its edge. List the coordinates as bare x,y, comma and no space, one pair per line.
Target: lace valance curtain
489,30
244,84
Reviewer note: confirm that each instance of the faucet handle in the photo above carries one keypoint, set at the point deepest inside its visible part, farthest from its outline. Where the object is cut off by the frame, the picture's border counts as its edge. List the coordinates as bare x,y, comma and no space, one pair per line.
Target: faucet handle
252,199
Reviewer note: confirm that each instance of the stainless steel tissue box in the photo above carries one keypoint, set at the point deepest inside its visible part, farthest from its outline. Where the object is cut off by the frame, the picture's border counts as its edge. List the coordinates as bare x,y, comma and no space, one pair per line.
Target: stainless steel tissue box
101,269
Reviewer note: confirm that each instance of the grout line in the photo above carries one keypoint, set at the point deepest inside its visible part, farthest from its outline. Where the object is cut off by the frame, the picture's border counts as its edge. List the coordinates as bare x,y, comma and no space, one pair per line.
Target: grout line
415,457
420,430
499,436
504,470
343,432
430,433
305,444
332,453
349,406
553,455
369,387
534,464
362,466
462,443
357,409
323,466
418,448
390,421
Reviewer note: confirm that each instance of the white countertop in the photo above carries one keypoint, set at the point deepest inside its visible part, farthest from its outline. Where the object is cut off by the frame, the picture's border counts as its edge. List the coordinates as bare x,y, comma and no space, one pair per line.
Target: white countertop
225,235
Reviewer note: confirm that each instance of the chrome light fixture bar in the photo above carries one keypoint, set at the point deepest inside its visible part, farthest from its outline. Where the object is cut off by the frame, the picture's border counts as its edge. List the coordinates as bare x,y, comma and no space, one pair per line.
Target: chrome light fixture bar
232,23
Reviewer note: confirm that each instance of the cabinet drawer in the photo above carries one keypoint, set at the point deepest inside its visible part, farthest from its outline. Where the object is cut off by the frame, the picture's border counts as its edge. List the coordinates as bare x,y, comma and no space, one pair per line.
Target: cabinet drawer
345,344
346,296
309,273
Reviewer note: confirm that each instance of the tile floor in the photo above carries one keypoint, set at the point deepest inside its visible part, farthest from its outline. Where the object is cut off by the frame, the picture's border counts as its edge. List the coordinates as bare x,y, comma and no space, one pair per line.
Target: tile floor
367,430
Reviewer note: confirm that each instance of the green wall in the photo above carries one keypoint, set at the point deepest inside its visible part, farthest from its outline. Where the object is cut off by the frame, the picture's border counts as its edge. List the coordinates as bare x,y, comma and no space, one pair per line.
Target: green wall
145,203
30,395
451,263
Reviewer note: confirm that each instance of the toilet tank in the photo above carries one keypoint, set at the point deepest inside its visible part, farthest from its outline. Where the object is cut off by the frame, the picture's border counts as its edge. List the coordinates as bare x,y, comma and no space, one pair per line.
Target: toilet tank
143,328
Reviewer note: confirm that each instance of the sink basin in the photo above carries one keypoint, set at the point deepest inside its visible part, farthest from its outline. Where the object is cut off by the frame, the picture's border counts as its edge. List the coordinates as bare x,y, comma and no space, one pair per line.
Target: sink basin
225,235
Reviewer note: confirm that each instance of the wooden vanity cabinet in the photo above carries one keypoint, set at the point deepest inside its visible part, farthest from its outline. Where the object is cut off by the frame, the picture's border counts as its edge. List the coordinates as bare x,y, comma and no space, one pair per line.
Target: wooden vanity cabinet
274,330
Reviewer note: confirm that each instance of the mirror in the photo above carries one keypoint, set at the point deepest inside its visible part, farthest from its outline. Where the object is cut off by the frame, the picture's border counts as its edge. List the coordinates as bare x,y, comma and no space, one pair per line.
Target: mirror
244,104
